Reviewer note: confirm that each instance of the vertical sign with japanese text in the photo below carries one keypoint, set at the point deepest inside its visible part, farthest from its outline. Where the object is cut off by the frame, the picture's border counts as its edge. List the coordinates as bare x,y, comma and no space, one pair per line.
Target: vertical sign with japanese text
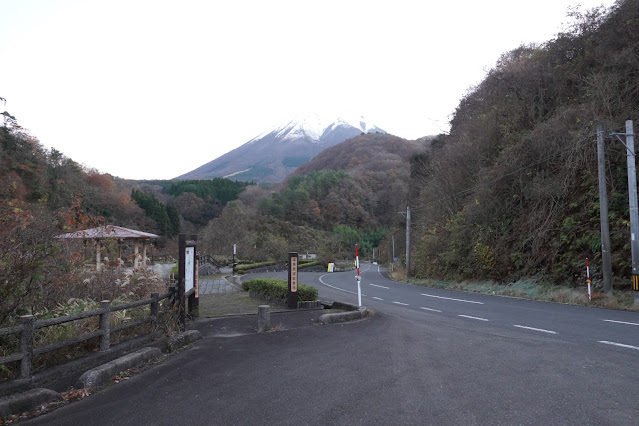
292,280
189,266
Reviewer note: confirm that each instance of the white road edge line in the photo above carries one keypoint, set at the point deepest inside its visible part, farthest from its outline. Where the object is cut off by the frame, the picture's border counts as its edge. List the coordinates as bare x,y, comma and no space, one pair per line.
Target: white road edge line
475,318
450,298
400,303
622,322
337,288
377,298
536,329
380,286
429,309
618,344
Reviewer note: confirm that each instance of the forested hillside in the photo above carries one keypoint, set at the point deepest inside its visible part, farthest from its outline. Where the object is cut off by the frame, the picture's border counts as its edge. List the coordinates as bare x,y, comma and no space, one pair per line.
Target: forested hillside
33,179
196,202
44,183
350,193
512,190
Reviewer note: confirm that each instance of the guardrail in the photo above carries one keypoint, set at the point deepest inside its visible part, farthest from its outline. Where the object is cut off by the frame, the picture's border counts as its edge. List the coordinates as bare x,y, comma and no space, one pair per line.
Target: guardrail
28,324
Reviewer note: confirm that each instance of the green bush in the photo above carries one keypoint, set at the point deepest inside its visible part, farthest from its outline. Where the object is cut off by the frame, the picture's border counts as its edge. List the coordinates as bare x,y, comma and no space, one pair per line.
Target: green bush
253,266
307,263
278,289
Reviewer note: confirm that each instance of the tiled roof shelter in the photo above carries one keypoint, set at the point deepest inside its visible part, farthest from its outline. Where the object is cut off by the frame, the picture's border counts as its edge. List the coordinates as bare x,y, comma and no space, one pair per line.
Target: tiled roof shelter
114,232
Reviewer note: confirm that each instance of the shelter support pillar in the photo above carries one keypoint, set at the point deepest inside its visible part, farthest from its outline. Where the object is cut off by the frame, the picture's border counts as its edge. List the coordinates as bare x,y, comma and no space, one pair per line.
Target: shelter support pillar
136,259
144,246
98,256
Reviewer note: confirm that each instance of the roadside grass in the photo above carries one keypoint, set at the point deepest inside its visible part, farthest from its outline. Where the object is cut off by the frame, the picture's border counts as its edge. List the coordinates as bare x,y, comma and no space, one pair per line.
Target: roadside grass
233,303
529,289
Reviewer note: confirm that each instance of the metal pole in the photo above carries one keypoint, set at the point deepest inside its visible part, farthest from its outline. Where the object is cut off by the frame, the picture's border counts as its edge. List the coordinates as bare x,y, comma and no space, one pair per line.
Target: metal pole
606,262
408,241
393,248
634,216
180,283
233,264
359,278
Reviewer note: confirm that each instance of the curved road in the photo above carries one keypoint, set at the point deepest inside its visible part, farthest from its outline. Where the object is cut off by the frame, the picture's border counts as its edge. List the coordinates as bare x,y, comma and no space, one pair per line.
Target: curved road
617,329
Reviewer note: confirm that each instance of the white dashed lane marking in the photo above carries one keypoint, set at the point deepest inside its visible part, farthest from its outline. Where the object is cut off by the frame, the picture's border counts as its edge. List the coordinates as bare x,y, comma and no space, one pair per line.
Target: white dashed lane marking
621,345
536,329
621,322
450,298
377,298
400,303
380,286
475,318
429,309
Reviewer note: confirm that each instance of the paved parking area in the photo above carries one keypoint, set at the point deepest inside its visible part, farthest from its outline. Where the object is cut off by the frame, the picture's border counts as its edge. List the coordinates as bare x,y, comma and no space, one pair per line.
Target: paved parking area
208,286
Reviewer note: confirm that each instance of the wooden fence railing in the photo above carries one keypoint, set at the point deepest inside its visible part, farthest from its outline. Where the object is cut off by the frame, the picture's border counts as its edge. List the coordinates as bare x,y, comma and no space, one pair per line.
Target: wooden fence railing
161,259
207,258
28,324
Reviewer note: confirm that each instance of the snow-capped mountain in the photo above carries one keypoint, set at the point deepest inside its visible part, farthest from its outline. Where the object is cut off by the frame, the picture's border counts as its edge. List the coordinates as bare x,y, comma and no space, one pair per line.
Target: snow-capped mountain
314,126
275,153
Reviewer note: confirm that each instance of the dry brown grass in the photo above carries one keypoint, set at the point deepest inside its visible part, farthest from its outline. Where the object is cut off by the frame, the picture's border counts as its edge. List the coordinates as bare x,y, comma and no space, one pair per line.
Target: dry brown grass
218,304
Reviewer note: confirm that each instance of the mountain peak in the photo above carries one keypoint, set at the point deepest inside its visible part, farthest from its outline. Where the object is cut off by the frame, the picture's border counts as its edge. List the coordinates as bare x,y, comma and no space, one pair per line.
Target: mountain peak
313,126
277,152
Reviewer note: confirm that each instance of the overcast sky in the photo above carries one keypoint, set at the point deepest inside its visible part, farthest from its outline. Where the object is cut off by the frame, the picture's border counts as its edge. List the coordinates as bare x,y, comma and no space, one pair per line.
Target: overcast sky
151,89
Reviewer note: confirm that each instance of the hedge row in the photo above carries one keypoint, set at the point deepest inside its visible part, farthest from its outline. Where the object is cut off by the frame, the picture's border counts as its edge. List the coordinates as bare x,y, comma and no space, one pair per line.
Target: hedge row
253,266
278,289
307,263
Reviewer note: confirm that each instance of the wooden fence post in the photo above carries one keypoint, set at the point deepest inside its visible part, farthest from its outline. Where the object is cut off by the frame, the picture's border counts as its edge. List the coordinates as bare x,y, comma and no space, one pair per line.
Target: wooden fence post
105,325
155,310
26,346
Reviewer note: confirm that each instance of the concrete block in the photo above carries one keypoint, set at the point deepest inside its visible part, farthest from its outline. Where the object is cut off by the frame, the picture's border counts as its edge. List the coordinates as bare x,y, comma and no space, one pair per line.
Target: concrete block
182,339
263,318
21,402
99,376
343,316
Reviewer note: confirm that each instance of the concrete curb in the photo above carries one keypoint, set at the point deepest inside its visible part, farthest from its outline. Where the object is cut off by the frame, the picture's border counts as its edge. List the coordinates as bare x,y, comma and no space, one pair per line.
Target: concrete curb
235,281
336,317
182,339
94,378
26,401
99,376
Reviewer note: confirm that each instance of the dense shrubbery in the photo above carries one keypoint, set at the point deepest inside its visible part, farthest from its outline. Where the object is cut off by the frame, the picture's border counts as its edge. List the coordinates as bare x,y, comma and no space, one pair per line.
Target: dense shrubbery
242,268
223,190
167,217
307,264
278,289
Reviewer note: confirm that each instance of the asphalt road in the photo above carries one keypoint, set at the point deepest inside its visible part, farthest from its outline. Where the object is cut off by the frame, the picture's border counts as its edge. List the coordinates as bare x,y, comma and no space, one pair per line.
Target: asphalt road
616,329
564,322
425,357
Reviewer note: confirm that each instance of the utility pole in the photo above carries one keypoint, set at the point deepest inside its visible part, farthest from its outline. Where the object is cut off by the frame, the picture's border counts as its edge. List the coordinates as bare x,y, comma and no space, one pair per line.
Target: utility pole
393,248
632,198
606,262
407,240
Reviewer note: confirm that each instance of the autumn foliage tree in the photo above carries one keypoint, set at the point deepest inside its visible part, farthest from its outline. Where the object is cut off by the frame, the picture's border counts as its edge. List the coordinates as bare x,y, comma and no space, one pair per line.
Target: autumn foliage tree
512,190
43,194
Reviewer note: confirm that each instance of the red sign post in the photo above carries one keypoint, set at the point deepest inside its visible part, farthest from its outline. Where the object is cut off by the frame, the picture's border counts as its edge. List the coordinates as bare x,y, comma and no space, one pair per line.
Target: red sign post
359,278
